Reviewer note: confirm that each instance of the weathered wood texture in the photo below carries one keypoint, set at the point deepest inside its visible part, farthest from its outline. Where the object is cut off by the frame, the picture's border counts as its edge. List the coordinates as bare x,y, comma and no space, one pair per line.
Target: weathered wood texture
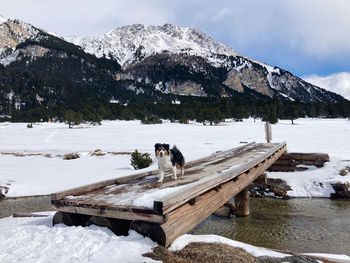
262,179
187,216
125,179
177,198
111,212
242,203
207,185
289,162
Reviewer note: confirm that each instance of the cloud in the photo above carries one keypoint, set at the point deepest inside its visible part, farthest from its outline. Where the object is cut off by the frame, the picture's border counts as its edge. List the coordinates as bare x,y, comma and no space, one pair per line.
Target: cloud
338,83
302,36
87,18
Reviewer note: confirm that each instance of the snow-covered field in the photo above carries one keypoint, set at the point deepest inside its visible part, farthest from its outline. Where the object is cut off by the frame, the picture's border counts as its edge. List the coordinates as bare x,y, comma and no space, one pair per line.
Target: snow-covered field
35,240
37,174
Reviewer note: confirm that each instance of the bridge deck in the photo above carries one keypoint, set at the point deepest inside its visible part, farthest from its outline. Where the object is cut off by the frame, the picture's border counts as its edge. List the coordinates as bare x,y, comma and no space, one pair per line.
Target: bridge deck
140,197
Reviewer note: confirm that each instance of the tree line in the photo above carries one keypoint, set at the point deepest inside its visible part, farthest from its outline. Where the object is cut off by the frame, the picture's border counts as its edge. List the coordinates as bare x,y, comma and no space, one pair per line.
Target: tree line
206,110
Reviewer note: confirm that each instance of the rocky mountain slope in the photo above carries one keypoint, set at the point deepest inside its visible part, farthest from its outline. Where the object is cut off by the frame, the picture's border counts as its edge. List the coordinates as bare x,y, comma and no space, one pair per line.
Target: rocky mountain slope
154,53
39,70
132,64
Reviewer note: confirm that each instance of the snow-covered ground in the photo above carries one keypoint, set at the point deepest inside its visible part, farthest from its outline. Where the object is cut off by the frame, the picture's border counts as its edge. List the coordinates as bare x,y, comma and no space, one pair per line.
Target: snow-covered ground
33,175
36,240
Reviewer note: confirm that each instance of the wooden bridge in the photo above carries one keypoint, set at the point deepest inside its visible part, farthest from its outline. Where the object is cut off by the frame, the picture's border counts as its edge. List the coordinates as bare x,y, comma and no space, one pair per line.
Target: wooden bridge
165,211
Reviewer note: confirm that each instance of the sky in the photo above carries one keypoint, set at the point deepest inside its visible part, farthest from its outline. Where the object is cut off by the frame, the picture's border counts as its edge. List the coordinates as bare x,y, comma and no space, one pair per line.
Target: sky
311,39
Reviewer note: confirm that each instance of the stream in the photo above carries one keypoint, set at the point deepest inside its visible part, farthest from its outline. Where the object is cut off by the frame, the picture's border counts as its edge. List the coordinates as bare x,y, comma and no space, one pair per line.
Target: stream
315,225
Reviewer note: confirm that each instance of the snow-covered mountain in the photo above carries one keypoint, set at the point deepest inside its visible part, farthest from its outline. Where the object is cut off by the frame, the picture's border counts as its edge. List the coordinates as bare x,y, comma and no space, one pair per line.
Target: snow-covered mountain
130,43
152,53
2,19
171,59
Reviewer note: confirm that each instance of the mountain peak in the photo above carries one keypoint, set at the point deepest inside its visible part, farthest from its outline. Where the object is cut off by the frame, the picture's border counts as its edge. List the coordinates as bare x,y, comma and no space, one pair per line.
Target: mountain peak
129,43
15,32
2,19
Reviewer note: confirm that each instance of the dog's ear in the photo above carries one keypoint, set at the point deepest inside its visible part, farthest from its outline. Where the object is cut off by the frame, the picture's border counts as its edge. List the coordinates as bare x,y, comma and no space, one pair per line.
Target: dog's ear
166,146
157,146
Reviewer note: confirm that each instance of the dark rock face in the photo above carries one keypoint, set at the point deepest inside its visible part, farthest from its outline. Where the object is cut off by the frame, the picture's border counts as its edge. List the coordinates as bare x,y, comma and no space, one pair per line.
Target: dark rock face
341,190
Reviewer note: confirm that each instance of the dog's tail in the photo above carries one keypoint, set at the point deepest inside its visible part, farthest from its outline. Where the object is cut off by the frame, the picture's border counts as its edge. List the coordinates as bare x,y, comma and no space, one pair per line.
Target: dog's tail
178,156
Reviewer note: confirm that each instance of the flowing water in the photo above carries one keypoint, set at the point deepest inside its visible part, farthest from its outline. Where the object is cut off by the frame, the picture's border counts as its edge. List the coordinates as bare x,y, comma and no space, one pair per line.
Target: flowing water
300,225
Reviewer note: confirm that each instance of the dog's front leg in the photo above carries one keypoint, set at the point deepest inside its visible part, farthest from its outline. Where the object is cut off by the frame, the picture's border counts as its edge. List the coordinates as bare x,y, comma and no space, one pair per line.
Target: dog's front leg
174,173
161,175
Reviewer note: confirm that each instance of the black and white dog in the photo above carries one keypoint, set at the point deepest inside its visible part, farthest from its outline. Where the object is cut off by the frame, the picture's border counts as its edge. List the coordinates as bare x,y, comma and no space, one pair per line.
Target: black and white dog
168,159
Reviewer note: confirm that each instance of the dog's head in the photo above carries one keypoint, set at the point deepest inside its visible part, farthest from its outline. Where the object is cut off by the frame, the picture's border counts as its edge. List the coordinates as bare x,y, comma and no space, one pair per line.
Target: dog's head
161,149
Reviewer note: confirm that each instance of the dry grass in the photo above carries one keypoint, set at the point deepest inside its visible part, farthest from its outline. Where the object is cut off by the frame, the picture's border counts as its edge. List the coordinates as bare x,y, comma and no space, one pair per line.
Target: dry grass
71,156
202,253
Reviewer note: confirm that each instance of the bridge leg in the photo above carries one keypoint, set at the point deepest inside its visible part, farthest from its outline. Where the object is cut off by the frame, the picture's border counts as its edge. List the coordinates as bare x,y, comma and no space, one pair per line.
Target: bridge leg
242,203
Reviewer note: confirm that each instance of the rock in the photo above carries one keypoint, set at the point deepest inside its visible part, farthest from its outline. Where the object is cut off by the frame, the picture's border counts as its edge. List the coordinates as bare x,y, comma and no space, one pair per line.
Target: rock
255,78
345,171
276,186
3,191
233,81
227,210
341,190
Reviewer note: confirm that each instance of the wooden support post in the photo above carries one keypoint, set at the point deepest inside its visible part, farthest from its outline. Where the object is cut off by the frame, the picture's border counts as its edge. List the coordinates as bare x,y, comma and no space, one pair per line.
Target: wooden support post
242,203
268,134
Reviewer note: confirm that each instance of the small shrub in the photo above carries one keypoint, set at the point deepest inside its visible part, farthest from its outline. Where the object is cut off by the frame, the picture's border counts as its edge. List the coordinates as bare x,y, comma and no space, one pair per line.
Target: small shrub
71,156
29,125
140,160
151,120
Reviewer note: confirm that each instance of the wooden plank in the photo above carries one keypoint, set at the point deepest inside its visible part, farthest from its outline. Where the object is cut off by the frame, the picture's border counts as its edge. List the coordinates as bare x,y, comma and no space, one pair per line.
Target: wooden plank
109,212
91,187
25,214
185,217
171,201
125,179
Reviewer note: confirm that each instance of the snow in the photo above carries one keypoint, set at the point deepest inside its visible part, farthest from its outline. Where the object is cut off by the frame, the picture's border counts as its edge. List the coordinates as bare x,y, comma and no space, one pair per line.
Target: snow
336,258
184,240
2,19
37,174
36,240
122,43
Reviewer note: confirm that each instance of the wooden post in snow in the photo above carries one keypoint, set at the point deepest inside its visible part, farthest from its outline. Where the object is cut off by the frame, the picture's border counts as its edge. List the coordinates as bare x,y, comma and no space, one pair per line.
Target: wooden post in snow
268,134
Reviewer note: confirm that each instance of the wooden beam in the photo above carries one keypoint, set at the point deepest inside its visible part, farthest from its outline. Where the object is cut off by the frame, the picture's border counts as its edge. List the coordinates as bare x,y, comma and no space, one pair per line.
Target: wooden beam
305,156
292,162
185,217
262,179
108,212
